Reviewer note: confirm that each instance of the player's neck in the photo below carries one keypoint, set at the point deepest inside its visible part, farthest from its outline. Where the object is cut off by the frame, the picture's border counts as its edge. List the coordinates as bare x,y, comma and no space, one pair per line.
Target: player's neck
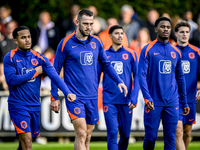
116,47
182,44
80,36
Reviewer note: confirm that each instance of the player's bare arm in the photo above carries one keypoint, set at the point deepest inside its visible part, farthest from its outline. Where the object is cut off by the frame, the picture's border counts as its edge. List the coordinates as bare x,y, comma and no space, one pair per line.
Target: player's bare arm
123,86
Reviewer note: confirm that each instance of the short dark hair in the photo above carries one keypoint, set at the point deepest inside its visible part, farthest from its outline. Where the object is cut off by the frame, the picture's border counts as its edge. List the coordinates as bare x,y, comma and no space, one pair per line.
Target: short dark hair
112,28
16,30
161,19
182,24
84,11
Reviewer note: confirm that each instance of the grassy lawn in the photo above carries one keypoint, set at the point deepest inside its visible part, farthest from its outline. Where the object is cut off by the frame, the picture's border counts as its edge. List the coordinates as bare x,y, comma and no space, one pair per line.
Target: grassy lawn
93,146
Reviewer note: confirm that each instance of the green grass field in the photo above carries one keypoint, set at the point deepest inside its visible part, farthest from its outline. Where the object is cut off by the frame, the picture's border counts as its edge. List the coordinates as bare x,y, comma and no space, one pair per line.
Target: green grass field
93,146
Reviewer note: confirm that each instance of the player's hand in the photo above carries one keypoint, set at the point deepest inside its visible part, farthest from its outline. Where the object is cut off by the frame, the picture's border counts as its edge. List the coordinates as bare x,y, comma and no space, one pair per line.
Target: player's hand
198,95
39,69
131,106
71,97
150,105
55,106
123,86
186,111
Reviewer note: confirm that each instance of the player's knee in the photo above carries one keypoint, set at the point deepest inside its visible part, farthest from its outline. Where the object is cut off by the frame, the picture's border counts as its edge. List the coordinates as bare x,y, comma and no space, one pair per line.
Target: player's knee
113,133
187,134
28,144
81,134
179,134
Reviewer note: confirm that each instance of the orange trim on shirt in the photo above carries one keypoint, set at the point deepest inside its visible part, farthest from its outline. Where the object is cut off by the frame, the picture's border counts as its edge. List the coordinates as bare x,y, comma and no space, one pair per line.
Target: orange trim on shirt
52,98
38,135
12,54
37,54
150,46
35,75
194,48
19,131
98,39
66,39
146,100
132,52
72,116
177,50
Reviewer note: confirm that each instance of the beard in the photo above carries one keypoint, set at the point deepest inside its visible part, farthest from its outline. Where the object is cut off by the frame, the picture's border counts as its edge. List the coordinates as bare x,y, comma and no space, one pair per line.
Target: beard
164,38
82,32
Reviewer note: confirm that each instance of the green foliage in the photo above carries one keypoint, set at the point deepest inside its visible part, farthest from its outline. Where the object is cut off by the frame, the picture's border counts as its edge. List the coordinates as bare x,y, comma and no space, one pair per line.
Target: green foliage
26,12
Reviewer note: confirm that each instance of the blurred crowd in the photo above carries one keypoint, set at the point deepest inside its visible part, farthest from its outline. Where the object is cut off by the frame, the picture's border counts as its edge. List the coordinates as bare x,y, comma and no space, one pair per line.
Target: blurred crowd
46,35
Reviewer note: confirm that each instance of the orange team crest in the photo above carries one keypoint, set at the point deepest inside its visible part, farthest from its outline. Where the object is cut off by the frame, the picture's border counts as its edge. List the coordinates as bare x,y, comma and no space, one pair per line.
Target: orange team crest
23,124
125,56
173,54
34,62
77,110
105,109
93,45
191,55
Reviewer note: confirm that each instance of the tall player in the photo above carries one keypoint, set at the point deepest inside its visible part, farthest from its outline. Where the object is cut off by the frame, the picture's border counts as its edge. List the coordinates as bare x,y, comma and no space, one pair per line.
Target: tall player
117,108
22,69
78,53
191,69
160,77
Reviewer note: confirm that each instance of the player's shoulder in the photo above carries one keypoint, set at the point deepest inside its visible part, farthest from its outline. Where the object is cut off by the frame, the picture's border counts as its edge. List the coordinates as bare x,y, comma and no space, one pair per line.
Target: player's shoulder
131,52
194,48
96,39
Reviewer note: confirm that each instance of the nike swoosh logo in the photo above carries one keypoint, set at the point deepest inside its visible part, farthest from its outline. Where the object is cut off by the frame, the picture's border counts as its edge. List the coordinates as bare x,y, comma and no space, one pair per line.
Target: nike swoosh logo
156,53
191,119
108,56
18,60
74,46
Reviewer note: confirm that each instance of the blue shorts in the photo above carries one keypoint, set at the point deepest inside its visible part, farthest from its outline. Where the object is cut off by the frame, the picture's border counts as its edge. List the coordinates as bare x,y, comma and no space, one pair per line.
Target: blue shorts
87,109
190,118
26,121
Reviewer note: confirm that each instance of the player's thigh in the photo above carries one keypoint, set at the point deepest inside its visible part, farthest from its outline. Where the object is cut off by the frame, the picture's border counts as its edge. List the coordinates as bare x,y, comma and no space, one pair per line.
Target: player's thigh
92,112
35,123
170,114
152,117
111,116
76,109
80,126
125,118
21,120
190,118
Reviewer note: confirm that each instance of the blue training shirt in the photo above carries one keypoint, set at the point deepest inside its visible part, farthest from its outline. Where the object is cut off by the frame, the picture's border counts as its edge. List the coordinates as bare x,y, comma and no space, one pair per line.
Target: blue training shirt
125,62
23,80
191,69
79,60
161,75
